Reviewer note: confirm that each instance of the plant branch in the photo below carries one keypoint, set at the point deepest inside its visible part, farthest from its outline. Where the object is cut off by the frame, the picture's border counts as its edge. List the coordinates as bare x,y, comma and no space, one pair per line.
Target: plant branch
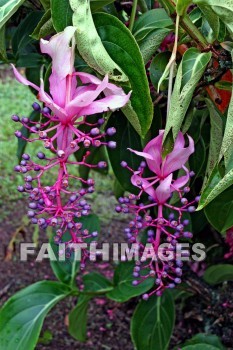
133,14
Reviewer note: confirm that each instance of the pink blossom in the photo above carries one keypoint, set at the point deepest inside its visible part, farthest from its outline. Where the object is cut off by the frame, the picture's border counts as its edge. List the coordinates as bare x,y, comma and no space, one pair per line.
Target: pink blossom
164,167
68,100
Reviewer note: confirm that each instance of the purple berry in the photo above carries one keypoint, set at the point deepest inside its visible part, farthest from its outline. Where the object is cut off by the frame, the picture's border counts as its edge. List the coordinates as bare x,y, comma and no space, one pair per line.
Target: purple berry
25,120
36,106
20,188
17,168
18,134
40,155
102,165
101,121
112,144
26,156
46,110
191,209
145,296
15,118
110,131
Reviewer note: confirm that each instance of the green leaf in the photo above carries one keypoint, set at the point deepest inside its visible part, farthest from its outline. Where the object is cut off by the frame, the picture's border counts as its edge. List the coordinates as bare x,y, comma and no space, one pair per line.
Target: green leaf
45,4
34,116
227,143
214,187
181,6
98,4
218,273
123,49
216,135
223,9
30,60
156,18
22,316
197,159
3,55
152,323
78,319
44,27
151,43
212,19
66,271
203,338
123,289
61,14
7,9
95,283
220,211
150,30
190,71
157,68
89,43
22,42
125,137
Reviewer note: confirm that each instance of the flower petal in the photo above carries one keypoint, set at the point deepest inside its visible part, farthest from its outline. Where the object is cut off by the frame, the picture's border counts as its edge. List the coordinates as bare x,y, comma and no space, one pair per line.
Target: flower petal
44,97
108,103
87,96
141,183
141,154
177,158
181,181
154,148
180,142
58,48
163,191
23,80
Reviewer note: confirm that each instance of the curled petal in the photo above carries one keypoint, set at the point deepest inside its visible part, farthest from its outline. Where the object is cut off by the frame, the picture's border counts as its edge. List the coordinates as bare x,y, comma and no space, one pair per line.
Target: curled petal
111,89
163,191
177,158
141,183
87,78
141,154
87,96
108,103
23,80
179,143
154,148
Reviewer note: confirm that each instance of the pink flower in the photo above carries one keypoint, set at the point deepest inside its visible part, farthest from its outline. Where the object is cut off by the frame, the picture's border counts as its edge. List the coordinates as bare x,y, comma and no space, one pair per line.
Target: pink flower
164,167
69,101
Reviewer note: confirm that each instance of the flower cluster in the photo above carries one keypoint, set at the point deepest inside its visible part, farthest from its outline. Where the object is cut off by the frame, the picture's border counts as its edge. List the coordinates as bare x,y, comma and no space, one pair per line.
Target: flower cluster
154,214
65,128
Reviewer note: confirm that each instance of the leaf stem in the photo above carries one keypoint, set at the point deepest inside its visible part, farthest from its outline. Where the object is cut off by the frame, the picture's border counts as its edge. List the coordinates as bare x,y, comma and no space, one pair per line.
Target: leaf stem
186,24
172,64
133,14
